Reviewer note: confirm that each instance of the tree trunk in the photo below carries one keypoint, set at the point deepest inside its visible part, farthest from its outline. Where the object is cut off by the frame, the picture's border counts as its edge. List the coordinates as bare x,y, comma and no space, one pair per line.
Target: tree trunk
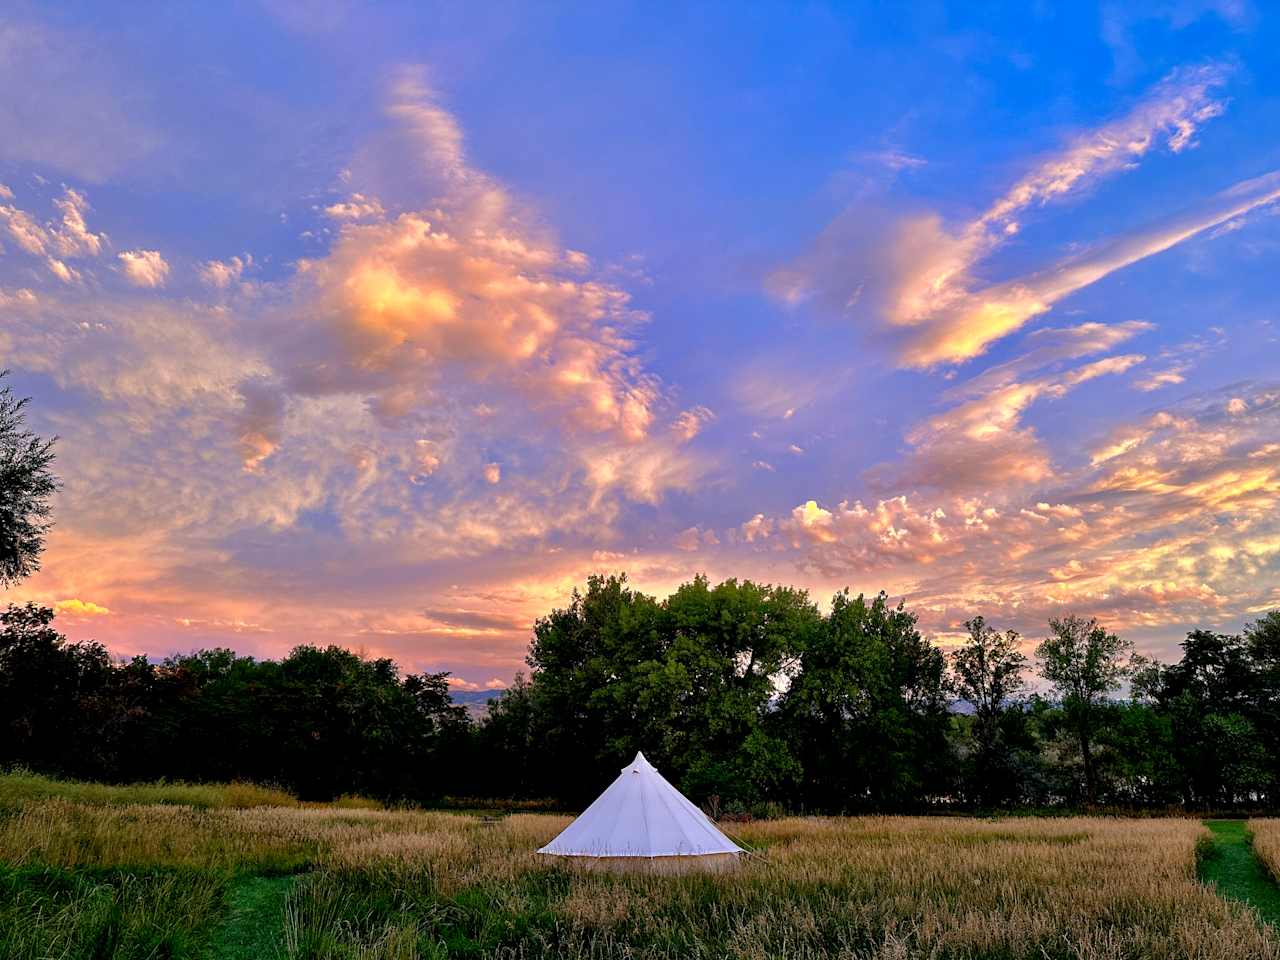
1086,754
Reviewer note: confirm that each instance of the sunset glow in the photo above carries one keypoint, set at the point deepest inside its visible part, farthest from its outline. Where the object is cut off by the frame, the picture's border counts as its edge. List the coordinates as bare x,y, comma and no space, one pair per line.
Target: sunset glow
386,327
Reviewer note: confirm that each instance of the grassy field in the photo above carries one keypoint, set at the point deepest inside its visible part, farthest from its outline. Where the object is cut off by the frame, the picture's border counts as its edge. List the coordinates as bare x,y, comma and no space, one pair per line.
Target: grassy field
1236,870
86,874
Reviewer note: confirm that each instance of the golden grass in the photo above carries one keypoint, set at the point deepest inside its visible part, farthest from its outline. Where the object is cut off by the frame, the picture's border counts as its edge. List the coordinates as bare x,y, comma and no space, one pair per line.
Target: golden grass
392,883
69,835
19,787
1266,843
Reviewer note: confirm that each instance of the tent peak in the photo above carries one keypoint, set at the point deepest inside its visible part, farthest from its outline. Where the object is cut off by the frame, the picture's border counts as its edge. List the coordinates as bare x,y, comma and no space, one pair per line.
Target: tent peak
639,763
641,815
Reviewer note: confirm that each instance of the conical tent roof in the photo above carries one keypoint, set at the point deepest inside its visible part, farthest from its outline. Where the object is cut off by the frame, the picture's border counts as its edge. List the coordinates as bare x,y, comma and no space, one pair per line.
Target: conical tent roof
641,815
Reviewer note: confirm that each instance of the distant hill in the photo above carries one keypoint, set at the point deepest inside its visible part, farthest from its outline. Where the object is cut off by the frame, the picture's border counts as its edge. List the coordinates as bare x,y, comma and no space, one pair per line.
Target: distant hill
476,701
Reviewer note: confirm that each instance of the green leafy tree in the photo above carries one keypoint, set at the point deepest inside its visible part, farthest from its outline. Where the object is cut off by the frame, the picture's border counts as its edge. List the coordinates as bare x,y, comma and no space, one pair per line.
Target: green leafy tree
1084,664
1263,641
1215,700
26,485
733,644
987,672
867,712
690,680
509,751
585,661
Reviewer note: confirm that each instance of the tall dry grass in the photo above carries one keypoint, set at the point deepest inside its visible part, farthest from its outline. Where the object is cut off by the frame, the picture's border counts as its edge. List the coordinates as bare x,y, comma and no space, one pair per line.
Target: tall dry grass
396,885
869,887
1266,843
17,787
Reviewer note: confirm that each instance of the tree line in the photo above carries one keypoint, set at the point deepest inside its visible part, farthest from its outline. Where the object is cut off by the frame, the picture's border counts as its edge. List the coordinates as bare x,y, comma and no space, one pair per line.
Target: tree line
747,696
751,695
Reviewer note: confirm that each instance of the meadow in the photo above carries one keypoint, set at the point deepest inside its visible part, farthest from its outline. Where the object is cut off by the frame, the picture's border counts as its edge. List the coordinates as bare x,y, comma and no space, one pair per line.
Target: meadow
205,872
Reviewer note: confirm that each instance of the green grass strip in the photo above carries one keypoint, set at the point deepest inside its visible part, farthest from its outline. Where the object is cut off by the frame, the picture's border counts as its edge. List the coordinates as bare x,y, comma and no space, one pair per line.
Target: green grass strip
255,917
1233,867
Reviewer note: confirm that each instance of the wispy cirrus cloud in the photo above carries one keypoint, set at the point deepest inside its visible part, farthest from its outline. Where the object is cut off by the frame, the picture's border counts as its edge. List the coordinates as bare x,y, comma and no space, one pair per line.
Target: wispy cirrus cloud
79,110
938,281
963,323
981,444
924,288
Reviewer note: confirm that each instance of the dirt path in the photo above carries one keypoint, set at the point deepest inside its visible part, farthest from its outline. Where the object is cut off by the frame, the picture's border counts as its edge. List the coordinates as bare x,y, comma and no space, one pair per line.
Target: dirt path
1236,871
252,930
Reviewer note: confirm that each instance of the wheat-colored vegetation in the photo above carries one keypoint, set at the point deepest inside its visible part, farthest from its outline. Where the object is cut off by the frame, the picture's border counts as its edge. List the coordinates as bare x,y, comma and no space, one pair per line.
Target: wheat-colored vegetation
146,880
16,787
1266,843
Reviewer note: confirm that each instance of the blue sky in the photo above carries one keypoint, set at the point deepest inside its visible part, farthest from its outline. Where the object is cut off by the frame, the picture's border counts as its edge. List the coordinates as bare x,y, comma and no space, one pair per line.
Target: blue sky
386,324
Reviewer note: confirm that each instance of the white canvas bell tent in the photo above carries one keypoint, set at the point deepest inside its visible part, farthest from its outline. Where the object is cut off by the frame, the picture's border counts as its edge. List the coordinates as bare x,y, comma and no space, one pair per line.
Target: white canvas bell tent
643,819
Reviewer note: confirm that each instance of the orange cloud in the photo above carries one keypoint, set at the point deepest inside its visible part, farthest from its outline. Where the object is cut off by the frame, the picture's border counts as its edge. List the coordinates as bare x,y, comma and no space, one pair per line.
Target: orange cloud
1174,520
959,324
77,608
981,444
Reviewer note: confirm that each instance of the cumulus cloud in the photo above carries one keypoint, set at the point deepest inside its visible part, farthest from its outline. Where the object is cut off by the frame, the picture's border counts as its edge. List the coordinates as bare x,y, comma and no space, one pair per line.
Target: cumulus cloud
1173,520
688,539
56,240
445,380
404,302
427,459
20,297
144,268
60,270
355,207
23,230
464,298
73,238
494,684
78,608
223,273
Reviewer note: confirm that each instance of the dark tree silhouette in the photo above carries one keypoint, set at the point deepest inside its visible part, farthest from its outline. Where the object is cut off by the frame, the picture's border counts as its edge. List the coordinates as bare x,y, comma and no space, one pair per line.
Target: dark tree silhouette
26,485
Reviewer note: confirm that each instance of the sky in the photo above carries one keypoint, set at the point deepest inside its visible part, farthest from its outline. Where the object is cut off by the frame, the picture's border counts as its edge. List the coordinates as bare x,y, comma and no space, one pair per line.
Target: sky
387,324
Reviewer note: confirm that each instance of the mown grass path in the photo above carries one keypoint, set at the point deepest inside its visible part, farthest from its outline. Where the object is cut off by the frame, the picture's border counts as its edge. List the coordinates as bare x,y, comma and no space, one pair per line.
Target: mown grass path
252,930
1236,871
